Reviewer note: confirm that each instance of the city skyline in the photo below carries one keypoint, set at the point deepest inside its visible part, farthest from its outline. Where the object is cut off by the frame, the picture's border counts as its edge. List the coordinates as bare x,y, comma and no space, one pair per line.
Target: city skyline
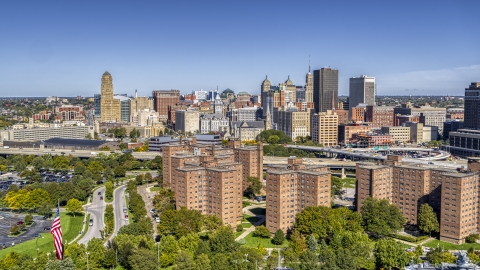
59,49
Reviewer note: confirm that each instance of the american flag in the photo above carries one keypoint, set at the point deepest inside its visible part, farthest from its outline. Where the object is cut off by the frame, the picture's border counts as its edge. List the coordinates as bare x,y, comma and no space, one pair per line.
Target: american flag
56,231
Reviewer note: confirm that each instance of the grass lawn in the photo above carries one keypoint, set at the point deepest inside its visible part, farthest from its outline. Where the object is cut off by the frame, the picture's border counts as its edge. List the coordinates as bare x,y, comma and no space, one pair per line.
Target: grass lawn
247,225
237,234
155,189
450,246
130,219
70,228
251,219
349,182
251,241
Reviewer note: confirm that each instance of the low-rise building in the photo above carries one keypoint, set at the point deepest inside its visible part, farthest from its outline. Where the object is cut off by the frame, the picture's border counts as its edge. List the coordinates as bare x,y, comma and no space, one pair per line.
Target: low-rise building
399,134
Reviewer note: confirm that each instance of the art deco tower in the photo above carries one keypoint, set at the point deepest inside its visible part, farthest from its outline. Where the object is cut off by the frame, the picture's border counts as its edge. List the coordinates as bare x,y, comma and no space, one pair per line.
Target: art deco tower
309,86
109,107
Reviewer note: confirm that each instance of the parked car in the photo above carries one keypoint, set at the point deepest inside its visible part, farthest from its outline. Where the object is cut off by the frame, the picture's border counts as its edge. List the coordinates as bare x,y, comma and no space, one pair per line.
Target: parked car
20,222
157,219
99,193
37,235
46,228
101,198
91,222
126,216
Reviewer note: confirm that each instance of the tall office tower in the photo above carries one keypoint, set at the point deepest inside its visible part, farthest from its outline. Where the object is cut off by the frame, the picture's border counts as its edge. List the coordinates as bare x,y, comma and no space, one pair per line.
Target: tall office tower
472,106
96,104
362,91
293,187
325,89
264,90
109,106
309,86
162,99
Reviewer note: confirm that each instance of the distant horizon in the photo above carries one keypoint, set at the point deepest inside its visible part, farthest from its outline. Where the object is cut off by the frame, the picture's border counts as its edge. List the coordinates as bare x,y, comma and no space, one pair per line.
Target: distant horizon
6,97
53,47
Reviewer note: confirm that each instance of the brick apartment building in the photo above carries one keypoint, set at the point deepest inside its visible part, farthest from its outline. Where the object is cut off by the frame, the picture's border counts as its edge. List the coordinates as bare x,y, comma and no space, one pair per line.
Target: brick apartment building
211,178
293,187
162,99
452,194
380,116
358,114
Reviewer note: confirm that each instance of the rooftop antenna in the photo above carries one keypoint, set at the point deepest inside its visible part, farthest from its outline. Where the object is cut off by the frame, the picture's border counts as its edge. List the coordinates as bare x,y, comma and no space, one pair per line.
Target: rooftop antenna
308,63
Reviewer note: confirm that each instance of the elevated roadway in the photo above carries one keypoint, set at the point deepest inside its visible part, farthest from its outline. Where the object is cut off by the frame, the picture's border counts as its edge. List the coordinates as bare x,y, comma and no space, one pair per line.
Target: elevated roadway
76,153
370,153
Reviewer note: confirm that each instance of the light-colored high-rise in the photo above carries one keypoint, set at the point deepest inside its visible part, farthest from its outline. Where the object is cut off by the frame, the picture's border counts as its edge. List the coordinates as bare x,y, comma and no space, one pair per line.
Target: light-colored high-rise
140,104
294,123
309,86
324,128
109,106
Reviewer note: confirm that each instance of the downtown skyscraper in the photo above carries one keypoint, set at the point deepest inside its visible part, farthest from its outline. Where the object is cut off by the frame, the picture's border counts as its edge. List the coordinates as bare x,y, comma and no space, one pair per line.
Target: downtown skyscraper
362,91
325,89
472,106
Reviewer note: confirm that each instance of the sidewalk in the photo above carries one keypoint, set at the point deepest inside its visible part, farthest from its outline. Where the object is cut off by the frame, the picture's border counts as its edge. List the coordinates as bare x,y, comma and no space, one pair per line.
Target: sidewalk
147,197
247,211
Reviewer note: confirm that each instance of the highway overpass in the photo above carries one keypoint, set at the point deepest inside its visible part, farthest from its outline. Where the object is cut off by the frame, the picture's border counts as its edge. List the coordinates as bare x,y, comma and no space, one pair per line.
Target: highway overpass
76,153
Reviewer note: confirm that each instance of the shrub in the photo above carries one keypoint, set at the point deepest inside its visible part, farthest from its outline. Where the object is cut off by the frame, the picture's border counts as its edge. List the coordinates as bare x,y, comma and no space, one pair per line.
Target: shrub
28,219
245,204
261,231
239,228
14,229
279,237
472,238
242,241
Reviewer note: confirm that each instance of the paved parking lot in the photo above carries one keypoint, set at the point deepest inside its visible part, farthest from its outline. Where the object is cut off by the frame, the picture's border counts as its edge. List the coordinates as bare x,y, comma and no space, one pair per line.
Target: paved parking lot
7,219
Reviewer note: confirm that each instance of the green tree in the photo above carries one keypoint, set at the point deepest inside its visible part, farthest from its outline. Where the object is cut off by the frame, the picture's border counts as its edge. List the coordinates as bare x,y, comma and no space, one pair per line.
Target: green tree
312,243
239,228
74,206
211,222
279,237
336,186
119,171
274,139
297,242
139,179
254,184
184,261
223,240
143,259
14,229
427,219
169,249
380,217
28,219
189,242
390,253
261,231
109,190
202,262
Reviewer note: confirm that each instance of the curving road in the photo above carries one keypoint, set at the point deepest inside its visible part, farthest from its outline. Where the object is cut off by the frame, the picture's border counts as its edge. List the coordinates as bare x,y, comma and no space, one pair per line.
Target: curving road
97,211
119,203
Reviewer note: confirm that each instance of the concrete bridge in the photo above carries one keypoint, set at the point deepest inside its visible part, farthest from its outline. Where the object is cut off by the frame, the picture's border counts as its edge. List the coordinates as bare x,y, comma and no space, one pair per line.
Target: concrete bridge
76,153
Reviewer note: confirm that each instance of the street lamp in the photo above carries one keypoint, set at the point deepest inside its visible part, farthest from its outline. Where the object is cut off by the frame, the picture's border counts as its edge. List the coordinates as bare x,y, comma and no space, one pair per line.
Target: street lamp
88,268
36,243
158,255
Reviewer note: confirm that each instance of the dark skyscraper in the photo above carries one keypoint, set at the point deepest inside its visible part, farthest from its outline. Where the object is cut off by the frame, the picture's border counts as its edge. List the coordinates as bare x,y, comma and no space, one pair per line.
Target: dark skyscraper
472,106
325,89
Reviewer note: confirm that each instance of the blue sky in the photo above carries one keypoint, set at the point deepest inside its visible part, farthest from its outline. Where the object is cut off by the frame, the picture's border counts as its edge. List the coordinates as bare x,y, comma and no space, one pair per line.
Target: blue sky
63,47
